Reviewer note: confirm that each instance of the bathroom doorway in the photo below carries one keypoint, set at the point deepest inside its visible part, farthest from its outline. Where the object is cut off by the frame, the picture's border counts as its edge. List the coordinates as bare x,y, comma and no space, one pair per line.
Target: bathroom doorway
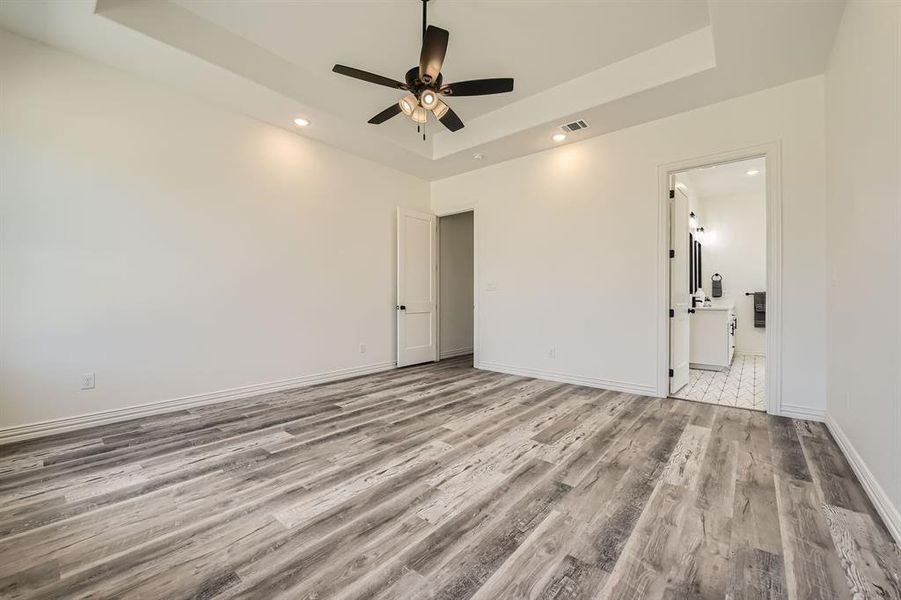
718,283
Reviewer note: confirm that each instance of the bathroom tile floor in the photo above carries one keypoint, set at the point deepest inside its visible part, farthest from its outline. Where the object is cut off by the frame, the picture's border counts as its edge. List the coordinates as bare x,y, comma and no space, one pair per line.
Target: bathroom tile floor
743,385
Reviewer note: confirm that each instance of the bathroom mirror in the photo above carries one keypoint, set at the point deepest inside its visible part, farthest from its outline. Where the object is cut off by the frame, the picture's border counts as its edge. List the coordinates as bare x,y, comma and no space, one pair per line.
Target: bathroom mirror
699,272
695,270
691,265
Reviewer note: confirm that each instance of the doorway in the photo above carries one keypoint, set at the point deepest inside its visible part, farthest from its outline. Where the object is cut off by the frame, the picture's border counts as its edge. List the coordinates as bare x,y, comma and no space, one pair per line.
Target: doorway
456,274
718,283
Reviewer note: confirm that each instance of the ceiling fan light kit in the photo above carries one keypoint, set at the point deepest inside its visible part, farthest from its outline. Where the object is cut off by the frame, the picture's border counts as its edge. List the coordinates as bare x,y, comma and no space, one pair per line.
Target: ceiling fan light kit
408,103
429,99
420,115
440,109
425,83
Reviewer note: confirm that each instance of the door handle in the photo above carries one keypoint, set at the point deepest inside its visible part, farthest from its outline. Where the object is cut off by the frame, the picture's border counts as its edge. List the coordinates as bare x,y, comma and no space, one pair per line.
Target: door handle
691,311
401,307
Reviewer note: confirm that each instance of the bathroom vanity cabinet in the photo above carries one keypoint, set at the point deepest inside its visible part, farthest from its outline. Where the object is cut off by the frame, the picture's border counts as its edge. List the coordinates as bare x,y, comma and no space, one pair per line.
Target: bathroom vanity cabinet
712,341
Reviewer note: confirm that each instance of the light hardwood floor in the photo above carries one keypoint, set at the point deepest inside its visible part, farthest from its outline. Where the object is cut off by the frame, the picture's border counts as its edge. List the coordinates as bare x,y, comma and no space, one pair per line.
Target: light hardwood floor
442,482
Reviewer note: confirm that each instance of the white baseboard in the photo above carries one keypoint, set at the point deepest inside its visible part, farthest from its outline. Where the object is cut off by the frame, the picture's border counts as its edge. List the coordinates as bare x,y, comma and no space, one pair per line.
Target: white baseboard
32,430
888,511
617,386
802,412
453,353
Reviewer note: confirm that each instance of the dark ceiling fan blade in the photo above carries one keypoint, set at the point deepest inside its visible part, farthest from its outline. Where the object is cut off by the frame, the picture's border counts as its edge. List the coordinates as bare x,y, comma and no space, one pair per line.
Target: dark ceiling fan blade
478,87
434,47
386,114
370,77
450,120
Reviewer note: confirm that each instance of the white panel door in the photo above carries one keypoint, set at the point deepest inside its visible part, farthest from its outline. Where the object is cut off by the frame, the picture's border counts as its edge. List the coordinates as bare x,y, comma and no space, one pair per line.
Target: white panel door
417,263
680,300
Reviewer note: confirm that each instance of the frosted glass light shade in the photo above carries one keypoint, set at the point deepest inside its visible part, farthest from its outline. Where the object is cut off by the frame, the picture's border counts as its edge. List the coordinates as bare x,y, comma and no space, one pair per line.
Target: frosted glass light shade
408,104
420,115
440,109
429,99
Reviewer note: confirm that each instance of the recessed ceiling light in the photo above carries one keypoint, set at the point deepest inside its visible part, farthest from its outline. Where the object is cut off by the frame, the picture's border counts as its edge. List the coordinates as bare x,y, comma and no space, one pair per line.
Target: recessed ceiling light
301,122
558,137
478,156
752,172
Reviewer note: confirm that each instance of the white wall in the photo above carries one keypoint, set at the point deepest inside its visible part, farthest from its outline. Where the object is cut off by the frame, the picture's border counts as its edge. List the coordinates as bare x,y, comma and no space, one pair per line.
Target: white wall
568,239
863,127
686,181
174,248
735,247
455,299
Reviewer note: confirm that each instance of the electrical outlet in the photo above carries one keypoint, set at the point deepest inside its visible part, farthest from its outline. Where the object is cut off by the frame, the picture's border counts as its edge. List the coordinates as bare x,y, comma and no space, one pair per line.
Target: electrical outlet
552,353
87,381
362,348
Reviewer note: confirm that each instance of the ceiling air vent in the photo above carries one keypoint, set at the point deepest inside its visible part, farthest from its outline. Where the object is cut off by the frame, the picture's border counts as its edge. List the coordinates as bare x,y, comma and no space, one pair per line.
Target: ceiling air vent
575,126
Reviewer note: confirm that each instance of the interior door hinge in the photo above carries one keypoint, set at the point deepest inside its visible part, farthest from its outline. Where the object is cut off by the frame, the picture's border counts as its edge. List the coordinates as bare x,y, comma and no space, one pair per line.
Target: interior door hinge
671,373
672,253
672,193
672,313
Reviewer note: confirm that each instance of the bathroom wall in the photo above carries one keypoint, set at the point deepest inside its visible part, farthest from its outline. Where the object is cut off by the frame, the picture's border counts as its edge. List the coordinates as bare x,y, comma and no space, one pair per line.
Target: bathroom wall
735,246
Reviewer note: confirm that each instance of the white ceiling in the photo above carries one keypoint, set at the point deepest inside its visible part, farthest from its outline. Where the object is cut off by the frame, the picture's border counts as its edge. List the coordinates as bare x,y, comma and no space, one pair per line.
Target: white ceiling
540,44
615,63
726,179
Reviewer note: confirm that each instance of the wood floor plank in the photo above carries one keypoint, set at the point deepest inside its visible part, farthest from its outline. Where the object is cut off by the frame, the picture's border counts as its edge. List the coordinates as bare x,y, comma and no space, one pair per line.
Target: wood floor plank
427,555
834,478
755,574
606,505
442,481
755,519
812,564
470,568
524,571
788,455
676,549
868,558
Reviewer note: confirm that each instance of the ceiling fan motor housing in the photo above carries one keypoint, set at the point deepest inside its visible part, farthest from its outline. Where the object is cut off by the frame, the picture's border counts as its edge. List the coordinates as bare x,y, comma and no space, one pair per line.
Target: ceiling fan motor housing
416,85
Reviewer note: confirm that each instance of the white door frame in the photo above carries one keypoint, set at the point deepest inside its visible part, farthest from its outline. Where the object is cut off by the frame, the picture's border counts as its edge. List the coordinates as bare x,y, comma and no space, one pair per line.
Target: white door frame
772,153
475,279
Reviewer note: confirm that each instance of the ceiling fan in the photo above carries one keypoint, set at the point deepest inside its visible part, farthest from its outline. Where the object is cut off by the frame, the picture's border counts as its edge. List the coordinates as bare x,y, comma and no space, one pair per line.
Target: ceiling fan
424,83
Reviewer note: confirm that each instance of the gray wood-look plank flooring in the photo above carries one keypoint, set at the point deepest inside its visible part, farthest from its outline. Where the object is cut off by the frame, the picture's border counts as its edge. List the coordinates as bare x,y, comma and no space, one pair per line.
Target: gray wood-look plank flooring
442,482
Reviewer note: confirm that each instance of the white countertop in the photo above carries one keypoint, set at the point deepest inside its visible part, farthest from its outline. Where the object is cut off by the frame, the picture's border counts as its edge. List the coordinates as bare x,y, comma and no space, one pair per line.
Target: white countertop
717,306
